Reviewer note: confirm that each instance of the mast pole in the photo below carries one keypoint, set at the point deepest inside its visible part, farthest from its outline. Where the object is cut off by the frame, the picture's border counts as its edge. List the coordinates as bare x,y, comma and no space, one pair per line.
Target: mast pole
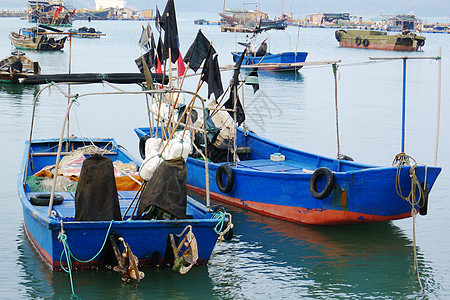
404,105
438,118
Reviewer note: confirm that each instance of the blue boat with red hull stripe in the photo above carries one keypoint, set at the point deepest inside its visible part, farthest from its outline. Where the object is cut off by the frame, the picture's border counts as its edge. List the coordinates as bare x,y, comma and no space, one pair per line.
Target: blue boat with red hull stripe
147,238
345,192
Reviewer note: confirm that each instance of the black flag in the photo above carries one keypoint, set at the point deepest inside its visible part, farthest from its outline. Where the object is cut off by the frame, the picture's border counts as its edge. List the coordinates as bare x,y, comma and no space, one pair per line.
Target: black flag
149,60
159,49
229,104
197,52
157,20
211,73
169,23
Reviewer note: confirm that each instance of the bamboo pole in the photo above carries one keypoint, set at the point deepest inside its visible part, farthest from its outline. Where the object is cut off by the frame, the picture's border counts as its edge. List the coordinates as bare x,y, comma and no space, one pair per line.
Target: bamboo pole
336,106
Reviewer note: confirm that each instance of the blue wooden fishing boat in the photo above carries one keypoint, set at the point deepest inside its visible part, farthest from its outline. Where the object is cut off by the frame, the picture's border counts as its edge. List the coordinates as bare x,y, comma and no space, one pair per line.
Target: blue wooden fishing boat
62,224
301,187
260,56
283,61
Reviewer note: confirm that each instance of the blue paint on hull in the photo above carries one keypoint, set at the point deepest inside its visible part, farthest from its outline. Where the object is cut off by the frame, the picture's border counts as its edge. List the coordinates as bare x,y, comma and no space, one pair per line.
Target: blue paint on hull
361,193
269,58
145,237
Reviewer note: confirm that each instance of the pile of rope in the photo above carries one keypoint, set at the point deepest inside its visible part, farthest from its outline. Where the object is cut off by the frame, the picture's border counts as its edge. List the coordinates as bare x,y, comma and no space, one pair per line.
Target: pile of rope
400,161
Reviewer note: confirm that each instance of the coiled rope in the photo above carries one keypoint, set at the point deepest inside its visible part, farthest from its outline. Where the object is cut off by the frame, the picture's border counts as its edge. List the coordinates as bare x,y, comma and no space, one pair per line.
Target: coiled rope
69,256
400,160
219,228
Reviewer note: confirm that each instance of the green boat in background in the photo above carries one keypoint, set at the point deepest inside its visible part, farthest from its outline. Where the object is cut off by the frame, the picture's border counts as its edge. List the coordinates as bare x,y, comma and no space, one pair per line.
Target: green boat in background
381,40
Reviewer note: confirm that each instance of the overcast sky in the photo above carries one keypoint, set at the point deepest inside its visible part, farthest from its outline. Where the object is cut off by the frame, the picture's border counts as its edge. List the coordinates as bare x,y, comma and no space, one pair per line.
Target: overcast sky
422,8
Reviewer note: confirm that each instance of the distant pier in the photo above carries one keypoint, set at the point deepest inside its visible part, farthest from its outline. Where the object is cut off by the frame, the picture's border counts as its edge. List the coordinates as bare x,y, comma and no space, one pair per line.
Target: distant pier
12,13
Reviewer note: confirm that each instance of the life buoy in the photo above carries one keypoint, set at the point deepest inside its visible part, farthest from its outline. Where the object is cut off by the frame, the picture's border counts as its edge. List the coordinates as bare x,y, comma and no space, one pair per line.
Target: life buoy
314,180
224,188
142,141
358,41
337,35
44,199
365,42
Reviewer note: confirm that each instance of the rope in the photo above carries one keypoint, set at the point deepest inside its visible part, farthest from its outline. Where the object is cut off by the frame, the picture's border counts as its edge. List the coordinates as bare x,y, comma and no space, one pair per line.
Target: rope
400,160
66,251
219,228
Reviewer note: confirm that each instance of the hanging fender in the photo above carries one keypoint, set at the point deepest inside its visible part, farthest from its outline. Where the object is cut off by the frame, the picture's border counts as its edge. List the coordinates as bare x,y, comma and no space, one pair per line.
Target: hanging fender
142,141
337,35
365,42
225,188
314,180
358,41
423,203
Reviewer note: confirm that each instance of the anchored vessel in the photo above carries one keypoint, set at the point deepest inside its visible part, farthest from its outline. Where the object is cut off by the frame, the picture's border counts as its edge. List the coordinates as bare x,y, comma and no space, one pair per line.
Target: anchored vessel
36,38
52,13
17,65
381,40
83,198
301,187
265,60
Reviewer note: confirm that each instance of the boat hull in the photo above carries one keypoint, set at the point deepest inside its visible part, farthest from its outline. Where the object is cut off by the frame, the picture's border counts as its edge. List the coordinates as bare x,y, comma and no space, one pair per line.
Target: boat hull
360,193
148,239
276,62
36,43
10,75
378,40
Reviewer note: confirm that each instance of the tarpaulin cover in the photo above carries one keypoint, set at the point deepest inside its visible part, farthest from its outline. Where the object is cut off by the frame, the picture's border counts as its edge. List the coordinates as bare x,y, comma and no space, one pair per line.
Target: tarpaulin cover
166,189
96,198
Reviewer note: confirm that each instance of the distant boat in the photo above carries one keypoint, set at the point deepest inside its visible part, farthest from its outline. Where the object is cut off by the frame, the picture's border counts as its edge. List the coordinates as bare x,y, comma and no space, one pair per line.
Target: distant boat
278,61
17,65
36,38
440,29
85,32
282,61
381,40
49,13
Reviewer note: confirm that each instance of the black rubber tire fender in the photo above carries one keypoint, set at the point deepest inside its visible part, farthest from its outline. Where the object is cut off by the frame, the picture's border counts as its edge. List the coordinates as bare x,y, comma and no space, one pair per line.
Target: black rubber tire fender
225,188
357,41
337,35
142,141
365,42
314,180
423,203
44,199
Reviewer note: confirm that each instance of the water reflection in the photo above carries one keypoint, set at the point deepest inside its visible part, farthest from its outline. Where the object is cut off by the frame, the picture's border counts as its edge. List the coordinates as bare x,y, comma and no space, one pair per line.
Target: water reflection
289,76
39,281
17,90
270,257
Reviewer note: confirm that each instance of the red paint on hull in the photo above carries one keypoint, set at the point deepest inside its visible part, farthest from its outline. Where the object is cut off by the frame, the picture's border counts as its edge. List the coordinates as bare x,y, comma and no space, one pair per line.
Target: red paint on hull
372,45
303,215
44,254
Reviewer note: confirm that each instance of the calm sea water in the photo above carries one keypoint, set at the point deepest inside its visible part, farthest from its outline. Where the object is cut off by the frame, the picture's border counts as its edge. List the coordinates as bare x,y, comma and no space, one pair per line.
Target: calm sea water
268,258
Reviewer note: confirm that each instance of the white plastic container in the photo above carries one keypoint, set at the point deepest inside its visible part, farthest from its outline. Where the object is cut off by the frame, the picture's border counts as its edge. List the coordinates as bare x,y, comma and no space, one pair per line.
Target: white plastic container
277,157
